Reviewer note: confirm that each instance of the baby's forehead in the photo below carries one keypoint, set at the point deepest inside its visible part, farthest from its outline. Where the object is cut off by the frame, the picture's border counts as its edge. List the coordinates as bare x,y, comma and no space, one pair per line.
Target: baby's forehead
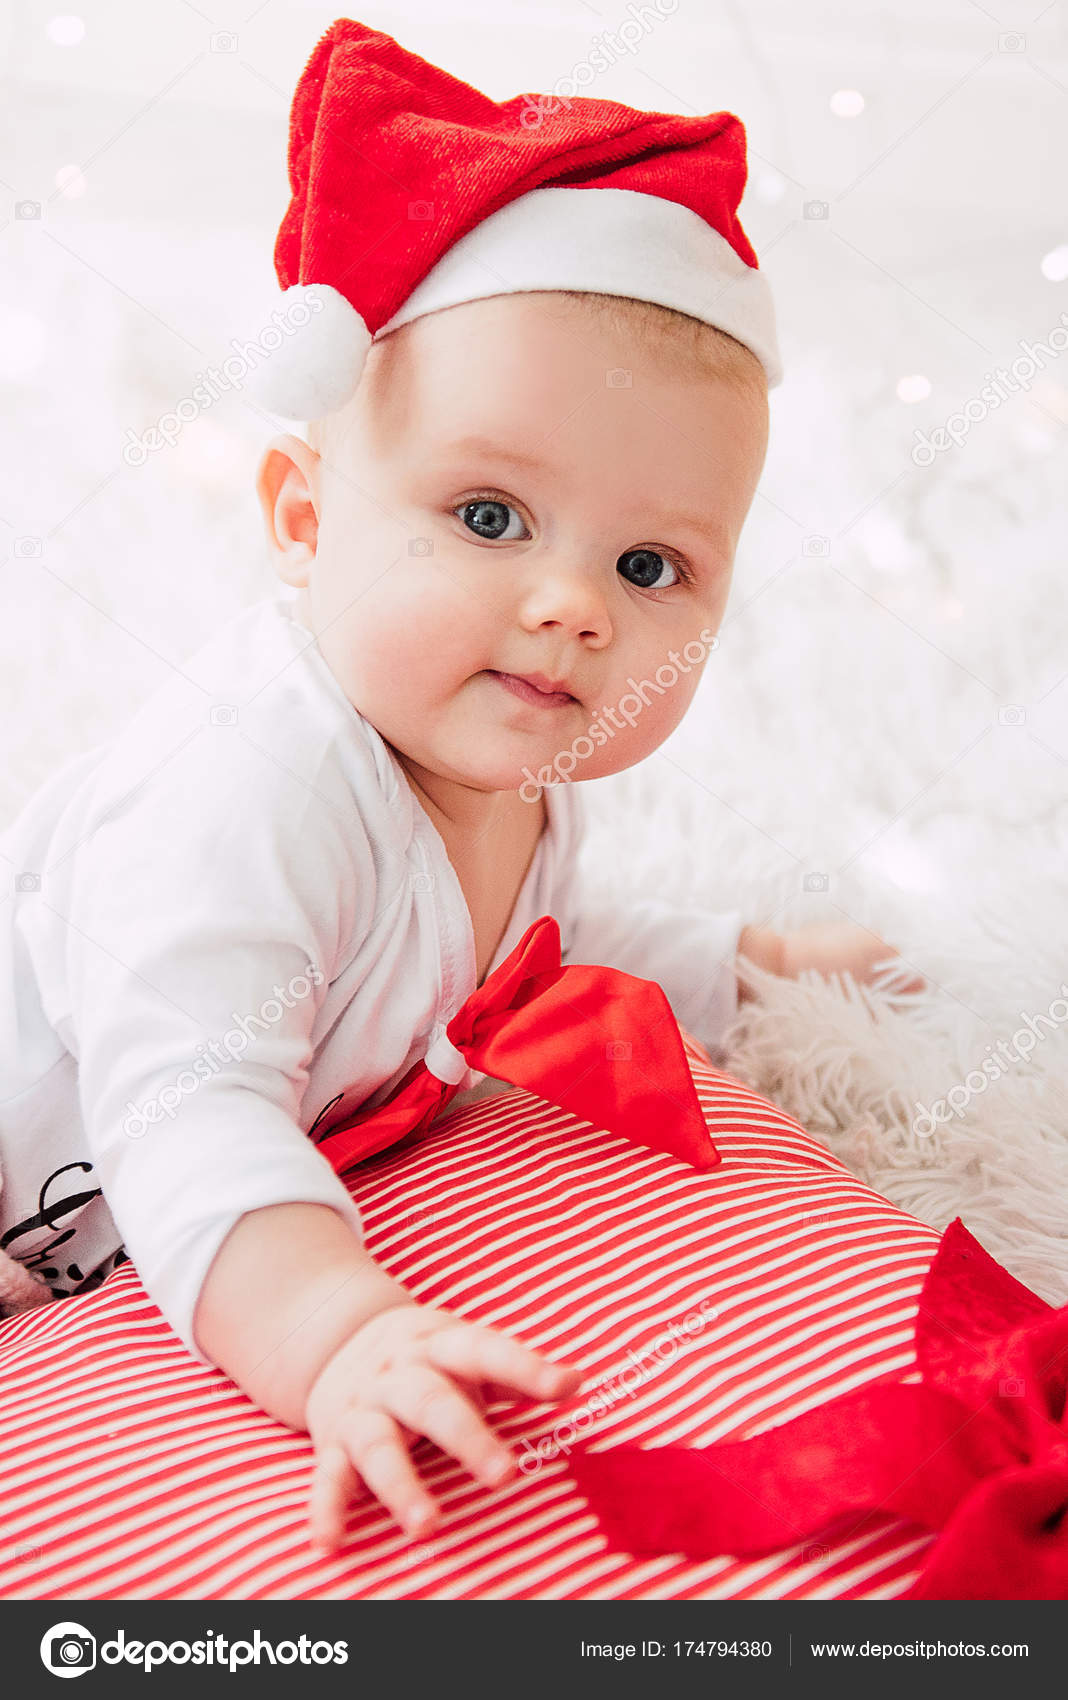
539,340
504,373
489,339
569,337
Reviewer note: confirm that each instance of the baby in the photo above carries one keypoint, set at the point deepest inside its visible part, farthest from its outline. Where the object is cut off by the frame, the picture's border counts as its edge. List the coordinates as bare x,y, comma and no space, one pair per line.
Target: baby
259,904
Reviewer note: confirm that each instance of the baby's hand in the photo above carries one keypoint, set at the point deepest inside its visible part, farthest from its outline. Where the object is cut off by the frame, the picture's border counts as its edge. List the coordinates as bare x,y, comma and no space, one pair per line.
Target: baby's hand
397,1377
839,947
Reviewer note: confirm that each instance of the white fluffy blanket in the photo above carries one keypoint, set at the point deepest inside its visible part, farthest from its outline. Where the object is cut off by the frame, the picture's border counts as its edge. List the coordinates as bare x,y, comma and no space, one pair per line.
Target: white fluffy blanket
854,1064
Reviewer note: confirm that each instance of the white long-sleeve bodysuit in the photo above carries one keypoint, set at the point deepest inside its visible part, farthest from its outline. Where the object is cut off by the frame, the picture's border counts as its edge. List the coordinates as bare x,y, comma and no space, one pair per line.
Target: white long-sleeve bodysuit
217,924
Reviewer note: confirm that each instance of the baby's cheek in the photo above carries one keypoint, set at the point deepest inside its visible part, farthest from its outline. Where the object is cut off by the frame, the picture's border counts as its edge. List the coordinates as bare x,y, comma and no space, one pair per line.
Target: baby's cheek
667,692
421,608
631,720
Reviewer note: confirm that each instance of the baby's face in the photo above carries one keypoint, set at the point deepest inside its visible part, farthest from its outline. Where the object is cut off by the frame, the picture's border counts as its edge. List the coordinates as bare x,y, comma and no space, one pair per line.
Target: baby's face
519,492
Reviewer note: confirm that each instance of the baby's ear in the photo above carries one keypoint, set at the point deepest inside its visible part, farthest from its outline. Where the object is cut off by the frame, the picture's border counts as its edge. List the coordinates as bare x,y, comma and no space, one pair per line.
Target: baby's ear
287,486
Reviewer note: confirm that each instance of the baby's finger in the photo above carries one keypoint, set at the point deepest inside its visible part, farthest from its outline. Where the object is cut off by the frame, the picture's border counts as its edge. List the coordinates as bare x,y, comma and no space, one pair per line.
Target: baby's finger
334,1484
437,1408
482,1354
890,973
489,1392
375,1445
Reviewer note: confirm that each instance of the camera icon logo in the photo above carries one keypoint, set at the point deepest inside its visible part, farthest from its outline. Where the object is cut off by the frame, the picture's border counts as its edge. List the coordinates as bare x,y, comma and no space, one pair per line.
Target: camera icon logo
420,545
617,1050
1012,42
1012,714
618,378
421,211
27,882
816,209
28,548
223,714
68,1649
223,41
815,882
819,546
1011,1387
27,210
422,882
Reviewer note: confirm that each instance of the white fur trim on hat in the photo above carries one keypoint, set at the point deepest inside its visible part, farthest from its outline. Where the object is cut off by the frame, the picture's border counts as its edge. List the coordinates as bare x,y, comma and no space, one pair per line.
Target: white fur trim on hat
609,241
606,241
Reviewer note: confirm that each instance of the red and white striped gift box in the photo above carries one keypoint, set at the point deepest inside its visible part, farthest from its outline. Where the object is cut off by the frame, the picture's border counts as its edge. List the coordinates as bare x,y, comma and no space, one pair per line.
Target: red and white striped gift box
701,1306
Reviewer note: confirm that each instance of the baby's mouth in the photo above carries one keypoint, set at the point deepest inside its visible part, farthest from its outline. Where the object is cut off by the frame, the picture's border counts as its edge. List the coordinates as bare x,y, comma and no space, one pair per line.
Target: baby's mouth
532,693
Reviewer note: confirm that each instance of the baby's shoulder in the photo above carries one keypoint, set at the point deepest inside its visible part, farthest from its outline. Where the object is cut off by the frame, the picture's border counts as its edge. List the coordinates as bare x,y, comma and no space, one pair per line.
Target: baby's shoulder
247,740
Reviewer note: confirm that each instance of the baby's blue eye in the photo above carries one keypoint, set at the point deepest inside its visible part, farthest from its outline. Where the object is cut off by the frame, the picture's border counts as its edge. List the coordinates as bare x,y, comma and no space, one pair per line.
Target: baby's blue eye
488,518
642,567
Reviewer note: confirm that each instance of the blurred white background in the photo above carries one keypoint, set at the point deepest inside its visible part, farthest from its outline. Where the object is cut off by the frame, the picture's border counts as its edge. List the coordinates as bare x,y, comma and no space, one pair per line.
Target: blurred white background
883,731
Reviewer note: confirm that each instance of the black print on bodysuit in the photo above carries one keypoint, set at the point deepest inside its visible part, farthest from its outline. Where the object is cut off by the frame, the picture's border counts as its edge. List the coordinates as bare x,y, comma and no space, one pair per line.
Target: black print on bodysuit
324,1111
40,1259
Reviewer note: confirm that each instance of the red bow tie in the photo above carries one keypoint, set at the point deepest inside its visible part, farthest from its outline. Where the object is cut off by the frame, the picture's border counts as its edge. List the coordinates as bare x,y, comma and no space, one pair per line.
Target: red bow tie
600,1043
978,1448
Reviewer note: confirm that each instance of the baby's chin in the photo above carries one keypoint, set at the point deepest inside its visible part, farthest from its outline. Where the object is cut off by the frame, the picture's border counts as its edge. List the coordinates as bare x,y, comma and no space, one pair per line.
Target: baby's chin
509,773
487,762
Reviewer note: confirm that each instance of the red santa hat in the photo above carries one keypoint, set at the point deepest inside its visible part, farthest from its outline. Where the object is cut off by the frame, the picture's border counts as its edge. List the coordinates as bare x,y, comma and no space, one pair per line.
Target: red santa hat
412,192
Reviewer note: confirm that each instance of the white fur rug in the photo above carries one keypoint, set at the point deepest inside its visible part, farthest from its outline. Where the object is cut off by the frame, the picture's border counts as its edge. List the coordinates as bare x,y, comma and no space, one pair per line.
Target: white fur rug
852,1063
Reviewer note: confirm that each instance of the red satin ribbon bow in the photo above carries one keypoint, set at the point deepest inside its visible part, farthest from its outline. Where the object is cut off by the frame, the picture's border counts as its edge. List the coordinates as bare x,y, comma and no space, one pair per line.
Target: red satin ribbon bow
977,1448
599,1043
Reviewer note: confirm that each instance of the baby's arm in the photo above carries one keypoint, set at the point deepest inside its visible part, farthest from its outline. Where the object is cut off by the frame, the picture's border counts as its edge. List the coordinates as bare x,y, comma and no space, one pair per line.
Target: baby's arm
299,1315
764,947
218,882
829,947
289,1284
694,953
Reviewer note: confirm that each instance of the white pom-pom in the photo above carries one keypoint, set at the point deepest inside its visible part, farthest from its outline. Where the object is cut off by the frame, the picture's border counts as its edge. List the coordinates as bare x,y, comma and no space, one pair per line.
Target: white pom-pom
314,344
